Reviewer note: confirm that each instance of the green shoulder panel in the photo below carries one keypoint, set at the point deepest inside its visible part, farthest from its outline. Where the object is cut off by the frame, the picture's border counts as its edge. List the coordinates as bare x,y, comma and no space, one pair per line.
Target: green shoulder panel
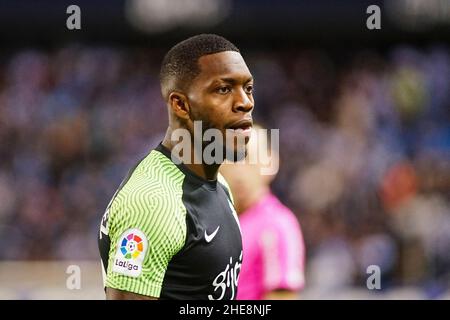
147,226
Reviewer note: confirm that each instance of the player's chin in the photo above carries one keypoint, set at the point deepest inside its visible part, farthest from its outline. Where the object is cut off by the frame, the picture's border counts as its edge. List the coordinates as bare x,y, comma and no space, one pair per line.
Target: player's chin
236,153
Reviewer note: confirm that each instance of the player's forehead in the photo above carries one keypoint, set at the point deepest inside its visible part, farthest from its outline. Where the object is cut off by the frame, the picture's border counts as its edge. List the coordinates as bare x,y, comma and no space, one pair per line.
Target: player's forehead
224,65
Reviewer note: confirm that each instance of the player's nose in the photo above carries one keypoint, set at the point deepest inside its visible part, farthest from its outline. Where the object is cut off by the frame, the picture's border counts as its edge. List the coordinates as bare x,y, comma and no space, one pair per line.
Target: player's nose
243,102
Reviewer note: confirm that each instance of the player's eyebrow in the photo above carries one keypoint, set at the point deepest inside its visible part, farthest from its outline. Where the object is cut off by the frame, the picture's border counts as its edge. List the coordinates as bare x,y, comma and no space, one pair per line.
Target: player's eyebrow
233,81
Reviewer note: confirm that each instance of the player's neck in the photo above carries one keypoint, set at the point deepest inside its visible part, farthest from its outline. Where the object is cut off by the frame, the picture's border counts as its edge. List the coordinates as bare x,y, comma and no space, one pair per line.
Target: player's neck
205,171
208,172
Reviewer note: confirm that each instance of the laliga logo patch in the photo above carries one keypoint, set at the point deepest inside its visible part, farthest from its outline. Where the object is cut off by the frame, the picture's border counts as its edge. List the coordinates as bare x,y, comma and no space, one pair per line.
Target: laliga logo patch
130,253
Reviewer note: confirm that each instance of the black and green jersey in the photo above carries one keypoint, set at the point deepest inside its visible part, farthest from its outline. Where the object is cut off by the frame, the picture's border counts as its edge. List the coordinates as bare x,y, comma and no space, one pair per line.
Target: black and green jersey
170,234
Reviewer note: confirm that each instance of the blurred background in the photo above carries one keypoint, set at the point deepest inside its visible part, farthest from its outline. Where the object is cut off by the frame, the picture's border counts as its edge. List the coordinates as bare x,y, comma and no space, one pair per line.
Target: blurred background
364,119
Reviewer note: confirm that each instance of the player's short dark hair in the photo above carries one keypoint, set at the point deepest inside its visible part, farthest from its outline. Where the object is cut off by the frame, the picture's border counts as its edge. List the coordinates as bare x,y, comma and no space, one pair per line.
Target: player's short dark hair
180,64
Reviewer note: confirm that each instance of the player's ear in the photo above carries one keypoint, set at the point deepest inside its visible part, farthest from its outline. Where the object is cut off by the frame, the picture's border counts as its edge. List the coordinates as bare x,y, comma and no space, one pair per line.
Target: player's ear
179,104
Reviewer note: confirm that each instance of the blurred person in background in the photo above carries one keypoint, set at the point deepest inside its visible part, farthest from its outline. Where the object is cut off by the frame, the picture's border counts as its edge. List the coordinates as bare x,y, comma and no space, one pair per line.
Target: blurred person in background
273,247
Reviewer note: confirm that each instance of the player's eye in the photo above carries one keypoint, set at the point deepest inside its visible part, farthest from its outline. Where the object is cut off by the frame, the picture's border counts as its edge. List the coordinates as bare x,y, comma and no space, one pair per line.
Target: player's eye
249,88
223,90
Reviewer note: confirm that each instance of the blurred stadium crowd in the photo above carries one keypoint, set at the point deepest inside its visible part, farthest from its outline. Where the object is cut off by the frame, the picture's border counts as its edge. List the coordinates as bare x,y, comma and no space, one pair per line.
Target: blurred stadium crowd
364,143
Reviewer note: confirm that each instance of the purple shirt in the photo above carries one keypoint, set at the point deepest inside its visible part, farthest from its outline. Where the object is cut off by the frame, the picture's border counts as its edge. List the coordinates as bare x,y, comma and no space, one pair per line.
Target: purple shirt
273,250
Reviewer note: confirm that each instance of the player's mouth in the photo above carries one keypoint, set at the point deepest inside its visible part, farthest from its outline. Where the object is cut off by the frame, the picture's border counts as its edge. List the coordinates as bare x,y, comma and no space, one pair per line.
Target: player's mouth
242,127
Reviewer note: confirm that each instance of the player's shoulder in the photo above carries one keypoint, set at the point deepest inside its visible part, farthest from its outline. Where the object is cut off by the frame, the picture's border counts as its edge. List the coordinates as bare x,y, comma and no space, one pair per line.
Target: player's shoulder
155,185
159,169
155,171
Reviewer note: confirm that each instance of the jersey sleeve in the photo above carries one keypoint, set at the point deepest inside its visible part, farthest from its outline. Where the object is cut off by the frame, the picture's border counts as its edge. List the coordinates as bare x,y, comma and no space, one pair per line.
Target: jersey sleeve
147,228
283,255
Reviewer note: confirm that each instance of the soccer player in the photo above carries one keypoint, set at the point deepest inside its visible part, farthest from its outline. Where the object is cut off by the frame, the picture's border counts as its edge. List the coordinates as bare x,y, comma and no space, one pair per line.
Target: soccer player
171,231
273,246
